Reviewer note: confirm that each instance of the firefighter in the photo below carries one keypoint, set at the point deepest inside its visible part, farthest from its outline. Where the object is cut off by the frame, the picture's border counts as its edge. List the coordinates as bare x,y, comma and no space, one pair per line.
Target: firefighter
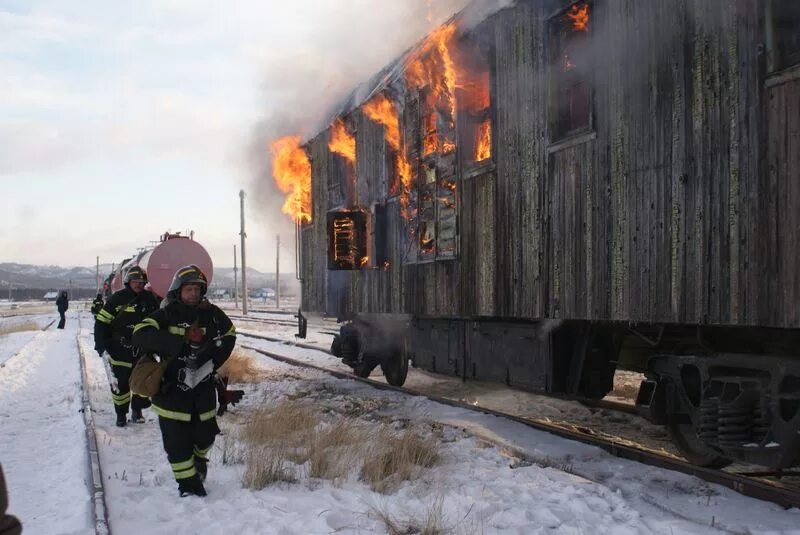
197,338
113,331
97,304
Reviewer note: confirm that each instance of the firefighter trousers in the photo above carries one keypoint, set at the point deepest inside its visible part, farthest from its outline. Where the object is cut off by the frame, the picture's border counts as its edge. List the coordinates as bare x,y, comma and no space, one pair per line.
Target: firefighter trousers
124,398
187,444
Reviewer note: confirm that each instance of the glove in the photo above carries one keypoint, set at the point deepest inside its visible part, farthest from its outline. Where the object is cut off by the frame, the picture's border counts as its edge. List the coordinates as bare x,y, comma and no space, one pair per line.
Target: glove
233,396
194,335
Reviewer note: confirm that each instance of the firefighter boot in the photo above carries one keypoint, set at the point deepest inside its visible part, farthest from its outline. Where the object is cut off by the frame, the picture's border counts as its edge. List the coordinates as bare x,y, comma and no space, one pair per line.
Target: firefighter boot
191,486
122,420
201,465
136,416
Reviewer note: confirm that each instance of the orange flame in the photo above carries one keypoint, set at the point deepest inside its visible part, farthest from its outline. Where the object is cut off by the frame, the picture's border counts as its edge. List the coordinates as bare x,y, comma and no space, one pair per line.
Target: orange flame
483,148
381,110
342,142
292,173
579,14
433,66
406,174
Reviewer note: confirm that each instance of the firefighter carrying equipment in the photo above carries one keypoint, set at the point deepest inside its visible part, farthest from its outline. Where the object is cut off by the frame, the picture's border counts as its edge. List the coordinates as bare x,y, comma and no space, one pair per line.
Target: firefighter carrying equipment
113,331
187,414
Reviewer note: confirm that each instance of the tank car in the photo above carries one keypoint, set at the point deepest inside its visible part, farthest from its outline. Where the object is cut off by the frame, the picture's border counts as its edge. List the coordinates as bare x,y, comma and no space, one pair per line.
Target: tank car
161,261
561,189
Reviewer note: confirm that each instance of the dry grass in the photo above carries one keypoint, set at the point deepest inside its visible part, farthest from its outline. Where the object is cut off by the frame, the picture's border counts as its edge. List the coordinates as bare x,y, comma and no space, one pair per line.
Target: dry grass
19,327
393,459
241,368
294,440
431,524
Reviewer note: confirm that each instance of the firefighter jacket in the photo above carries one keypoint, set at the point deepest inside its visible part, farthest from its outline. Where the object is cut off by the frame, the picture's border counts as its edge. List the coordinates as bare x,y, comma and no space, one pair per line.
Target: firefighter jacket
164,333
113,326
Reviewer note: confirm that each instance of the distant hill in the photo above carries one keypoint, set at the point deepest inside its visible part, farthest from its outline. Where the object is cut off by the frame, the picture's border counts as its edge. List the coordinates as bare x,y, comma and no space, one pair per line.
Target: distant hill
28,276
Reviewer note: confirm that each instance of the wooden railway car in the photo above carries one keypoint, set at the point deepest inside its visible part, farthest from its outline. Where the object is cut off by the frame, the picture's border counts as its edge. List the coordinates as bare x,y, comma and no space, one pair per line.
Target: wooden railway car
547,193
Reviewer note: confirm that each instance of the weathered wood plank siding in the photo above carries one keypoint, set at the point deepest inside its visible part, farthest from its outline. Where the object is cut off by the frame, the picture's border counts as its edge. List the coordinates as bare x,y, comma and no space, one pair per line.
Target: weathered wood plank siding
681,203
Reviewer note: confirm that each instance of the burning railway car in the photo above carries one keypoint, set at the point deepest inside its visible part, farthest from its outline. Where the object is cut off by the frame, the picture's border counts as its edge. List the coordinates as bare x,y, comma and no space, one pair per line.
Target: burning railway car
561,189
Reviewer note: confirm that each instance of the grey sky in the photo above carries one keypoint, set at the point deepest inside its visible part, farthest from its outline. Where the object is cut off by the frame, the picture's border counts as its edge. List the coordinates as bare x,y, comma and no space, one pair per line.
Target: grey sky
120,120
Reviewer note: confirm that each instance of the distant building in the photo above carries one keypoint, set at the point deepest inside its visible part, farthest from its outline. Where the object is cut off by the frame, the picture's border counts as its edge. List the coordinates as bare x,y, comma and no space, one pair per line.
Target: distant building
50,296
219,293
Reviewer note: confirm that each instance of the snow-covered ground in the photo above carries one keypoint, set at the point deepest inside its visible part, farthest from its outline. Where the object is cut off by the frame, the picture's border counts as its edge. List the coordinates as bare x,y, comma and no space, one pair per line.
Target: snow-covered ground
495,476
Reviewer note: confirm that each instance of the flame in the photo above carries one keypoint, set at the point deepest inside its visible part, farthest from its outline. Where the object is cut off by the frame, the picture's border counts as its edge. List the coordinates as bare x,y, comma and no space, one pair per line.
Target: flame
448,146
386,265
483,148
406,174
433,66
364,261
342,142
292,173
381,110
579,14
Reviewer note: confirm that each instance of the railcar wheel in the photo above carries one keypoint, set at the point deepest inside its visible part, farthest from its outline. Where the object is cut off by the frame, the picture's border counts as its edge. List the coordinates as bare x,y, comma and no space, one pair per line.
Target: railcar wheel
396,369
693,449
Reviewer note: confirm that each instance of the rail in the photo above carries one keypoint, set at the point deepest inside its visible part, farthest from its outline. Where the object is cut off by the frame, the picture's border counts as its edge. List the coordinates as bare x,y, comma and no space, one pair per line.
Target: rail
753,486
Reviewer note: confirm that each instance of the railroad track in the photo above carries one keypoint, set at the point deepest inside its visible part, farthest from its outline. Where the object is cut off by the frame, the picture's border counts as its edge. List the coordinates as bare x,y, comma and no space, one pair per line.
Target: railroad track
764,485
277,321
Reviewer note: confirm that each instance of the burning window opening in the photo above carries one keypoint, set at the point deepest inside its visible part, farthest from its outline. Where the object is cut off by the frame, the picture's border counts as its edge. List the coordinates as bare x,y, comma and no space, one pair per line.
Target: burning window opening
786,31
342,142
347,248
579,15
571,92
483,143
427,243
291,170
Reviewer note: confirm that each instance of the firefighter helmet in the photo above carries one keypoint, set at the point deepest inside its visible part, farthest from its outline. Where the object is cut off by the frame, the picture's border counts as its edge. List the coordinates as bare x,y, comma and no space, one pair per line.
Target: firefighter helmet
185,275
135,273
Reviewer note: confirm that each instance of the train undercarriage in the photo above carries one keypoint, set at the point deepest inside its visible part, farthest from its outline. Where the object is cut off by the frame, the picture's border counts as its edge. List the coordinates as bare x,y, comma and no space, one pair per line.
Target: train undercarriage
725,394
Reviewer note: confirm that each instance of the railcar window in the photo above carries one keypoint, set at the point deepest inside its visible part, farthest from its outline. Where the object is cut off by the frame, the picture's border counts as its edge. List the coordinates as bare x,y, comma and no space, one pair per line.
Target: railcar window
571,90
380,246
347,235
786,33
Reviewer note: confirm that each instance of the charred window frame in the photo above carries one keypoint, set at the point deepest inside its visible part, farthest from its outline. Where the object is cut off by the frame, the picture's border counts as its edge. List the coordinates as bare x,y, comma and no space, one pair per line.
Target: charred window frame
347,240
571,73
783,34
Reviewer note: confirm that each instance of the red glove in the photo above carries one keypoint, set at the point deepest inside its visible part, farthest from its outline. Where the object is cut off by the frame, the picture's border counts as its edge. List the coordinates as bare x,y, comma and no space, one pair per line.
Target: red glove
233,396
194,334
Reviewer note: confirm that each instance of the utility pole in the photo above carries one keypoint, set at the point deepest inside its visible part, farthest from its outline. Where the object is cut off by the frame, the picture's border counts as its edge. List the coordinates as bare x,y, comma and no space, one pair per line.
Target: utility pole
244,262
278,272
235,281
97,277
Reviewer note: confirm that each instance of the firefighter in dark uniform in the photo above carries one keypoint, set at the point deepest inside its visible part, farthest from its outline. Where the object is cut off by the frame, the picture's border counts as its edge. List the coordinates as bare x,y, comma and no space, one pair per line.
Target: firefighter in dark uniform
197,338
97,304
113,331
